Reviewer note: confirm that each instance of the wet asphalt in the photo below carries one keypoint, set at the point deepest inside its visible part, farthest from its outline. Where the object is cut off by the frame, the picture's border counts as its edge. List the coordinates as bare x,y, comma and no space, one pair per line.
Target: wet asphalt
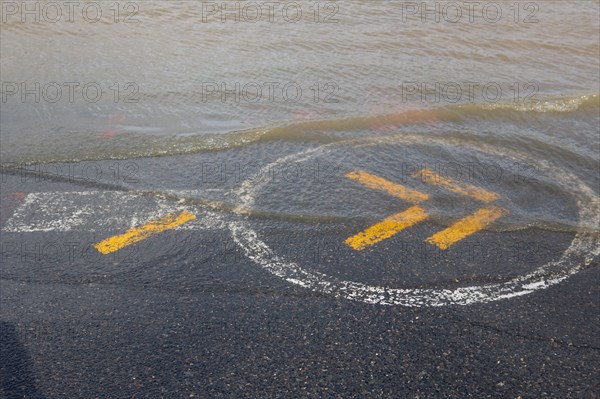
186,314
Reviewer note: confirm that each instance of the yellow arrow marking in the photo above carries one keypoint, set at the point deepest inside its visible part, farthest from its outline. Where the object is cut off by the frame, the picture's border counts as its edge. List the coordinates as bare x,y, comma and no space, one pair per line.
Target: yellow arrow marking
465,189
393,224
466,226
379,183
387,228
136,234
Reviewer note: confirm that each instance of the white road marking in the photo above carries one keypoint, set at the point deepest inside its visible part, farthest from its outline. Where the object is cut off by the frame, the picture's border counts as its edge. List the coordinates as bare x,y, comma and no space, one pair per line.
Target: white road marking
99,211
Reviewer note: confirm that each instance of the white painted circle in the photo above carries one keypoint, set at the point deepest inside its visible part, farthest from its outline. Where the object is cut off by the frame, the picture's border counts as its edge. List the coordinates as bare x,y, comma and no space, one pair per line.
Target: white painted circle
583,249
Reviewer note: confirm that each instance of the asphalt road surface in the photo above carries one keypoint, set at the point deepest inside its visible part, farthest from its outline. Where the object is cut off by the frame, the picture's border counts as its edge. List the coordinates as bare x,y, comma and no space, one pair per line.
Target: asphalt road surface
186,312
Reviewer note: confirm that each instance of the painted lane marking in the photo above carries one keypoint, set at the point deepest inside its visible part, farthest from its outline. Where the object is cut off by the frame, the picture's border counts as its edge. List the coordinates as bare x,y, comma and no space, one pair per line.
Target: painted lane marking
466,226
100,211
393,224
470,224
387,228
395,189
461,188
396,223
137,234
584,248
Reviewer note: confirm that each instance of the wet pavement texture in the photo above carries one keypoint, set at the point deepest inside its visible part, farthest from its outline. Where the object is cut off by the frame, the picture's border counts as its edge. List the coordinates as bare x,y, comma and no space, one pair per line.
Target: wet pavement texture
185,314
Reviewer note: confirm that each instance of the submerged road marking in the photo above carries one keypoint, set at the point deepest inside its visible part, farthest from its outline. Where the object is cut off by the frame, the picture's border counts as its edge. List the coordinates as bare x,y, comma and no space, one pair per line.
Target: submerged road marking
395,189
465,189
396,223
387,228
583,250
137,234
466,226
103,211
392,224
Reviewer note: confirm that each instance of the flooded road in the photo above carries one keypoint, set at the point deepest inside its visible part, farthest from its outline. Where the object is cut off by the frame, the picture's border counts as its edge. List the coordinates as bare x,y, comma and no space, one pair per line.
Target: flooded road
122,81
256,199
